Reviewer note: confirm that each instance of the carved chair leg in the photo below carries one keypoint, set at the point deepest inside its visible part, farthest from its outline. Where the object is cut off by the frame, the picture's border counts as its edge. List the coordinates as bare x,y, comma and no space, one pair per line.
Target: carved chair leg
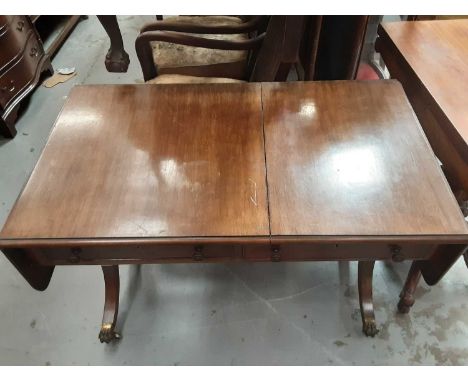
365,272
111,304
117,59
407,293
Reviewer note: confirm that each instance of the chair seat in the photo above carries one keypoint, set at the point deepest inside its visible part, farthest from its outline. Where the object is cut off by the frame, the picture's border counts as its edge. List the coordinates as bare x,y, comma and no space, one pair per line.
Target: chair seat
181,79
181,59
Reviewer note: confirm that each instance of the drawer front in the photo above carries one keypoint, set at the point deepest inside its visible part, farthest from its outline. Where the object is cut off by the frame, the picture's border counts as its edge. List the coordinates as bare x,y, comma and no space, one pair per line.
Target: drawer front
15,79
188,253
146,254
331,252
13,37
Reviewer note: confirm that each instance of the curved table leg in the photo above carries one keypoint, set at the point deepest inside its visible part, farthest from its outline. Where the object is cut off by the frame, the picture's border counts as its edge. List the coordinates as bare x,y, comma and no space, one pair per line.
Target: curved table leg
111,304
117,59
365,272
407,293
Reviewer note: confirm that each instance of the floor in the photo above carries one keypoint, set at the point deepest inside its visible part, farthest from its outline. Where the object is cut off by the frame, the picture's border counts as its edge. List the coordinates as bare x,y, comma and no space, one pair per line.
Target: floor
243,314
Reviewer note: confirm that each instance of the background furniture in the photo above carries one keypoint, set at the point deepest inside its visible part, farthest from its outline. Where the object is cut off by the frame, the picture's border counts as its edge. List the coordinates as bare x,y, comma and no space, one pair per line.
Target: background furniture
184,59
54,30
117,59
266,53
309,175
22,60
331,47
430,59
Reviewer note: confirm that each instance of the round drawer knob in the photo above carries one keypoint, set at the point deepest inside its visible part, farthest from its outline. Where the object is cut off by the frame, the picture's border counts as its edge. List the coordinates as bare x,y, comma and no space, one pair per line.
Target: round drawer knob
20,25
34,52
397,254
75,258
198,253
275,256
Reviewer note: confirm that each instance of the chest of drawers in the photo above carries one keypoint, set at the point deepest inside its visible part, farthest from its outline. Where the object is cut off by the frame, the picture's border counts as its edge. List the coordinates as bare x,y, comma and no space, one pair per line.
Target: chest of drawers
22,60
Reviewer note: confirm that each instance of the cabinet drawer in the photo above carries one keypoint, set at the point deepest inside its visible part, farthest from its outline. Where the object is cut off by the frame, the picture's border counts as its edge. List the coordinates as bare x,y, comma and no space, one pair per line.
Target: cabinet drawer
15,79
13,37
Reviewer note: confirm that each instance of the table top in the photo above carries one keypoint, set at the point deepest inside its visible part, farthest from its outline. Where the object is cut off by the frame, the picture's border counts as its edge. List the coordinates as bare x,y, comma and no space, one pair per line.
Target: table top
316,159
349,158
437,52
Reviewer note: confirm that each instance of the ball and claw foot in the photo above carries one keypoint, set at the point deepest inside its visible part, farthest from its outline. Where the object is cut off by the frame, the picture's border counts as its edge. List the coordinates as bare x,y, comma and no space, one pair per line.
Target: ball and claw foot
107,334
405,303
370,328
404,307
117,61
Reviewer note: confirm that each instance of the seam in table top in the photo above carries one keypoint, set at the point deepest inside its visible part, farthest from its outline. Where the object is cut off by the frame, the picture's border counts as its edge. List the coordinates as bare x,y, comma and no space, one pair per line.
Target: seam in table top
265,161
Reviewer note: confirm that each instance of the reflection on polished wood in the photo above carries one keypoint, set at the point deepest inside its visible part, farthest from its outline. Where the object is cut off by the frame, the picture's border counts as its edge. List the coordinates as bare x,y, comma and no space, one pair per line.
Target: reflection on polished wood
349,158
148,161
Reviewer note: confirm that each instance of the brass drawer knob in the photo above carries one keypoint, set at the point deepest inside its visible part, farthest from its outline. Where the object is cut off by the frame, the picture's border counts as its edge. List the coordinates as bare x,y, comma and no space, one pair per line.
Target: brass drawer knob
275,255
397,254
10,88
34,52
20,25
75,258
198,253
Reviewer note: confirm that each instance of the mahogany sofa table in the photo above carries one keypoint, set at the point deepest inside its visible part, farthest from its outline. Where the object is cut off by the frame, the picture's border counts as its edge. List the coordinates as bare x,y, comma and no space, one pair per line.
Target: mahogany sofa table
321,171
430,59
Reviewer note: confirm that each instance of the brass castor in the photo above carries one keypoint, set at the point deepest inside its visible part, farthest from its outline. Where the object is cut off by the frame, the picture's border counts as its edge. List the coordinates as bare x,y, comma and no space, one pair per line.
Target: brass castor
370,328
108,334
405,303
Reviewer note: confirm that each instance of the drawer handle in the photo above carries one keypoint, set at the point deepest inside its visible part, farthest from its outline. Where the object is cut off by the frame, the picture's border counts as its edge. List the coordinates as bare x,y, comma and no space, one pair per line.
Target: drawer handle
198,253
20,25
33,52
275,256
396,252
75,257
11,88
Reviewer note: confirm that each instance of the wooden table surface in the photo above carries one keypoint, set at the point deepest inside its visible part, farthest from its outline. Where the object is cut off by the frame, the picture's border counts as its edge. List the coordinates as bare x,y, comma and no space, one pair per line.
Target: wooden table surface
338,159
437,51
234,172
430,58
142,161
349,158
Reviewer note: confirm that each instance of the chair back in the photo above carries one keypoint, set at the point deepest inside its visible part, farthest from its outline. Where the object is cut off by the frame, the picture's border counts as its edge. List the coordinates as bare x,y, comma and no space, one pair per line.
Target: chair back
279,49
331,47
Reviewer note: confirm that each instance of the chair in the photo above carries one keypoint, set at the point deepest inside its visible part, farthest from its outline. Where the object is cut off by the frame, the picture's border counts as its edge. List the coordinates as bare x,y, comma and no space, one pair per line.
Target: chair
331,47
222,49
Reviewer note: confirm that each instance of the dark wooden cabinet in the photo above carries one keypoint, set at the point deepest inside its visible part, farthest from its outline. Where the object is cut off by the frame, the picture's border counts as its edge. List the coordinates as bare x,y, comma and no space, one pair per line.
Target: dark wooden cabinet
22,60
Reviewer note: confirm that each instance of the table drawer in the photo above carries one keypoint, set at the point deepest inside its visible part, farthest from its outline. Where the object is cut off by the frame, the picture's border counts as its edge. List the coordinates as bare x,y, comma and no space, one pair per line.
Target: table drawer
13,37
133,254
292,251
15,79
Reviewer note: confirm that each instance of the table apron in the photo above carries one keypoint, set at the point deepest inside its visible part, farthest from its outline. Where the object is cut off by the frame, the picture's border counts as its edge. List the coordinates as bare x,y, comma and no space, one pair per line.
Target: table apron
185,253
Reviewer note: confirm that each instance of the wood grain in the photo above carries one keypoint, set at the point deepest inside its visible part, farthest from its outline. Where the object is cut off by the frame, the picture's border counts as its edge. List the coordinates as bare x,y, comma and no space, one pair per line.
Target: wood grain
149,161
349,158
